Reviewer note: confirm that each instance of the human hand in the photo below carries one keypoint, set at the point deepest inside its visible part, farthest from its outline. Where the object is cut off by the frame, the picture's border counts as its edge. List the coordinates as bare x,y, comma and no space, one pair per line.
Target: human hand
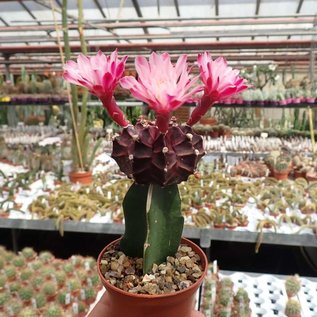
102,308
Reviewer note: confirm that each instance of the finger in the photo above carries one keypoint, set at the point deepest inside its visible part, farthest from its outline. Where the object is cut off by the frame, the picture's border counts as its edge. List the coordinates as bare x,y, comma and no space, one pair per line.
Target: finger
101,308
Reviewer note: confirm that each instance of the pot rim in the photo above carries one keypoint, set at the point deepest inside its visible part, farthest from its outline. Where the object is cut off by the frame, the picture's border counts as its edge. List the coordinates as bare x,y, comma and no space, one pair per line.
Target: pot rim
204,263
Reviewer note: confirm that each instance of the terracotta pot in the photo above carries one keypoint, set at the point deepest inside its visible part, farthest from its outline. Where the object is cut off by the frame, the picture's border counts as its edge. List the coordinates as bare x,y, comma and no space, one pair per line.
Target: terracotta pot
311,177
298,174
281,175
84,178
178,304
208,120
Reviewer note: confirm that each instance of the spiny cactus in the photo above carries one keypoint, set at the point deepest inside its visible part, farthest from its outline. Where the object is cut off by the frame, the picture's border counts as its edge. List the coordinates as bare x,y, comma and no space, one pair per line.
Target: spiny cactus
90,294
3,280
13,307
4,298
53,310
40,300
36,265
14,287
9,256
90,263
63,297
225,312
28,312
76,260
46,87
148,156
68,268
60,278
47,272
93,280
26,274
226,282
26,293
292,285
242,295
28,253
37,282
292,308
49,288
81,274
73,284
46,257
225,296
281,166
10,272
1,263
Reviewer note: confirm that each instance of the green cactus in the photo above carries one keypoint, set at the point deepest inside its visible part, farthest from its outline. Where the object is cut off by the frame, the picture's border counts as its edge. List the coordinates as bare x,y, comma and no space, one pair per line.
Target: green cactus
226,283
3,280
1,263
292,308
37,281
82,307
242,296
68,268
46,87
76,260
4,298
49,288
90,293
9,256
40,300
47,272
90,263
93,280
225,297
292,285
36,265
28,312
60,278
14,287
53,310
46,257
10,272
225,312
81,274
281,166
63,296
26,274
28,253
73,284
154,223
26,293
13,307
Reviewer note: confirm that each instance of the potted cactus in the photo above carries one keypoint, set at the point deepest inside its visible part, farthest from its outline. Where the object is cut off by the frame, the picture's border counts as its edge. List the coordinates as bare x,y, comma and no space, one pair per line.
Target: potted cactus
53,310
293,308
29,312
157,156
292,285
280,165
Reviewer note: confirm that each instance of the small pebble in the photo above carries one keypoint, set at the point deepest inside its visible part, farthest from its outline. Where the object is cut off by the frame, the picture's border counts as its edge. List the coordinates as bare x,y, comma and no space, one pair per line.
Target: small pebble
175,274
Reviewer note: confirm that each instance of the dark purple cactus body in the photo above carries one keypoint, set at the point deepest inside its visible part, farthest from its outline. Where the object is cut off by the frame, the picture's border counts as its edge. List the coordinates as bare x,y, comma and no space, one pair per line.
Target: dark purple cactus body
148,156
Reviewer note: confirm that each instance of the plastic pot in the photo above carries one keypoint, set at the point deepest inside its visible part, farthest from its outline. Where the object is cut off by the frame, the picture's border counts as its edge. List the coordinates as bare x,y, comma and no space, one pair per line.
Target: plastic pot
181,303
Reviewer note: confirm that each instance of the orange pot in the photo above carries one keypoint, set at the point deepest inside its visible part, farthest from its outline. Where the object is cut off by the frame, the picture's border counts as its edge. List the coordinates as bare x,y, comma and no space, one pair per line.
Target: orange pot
280,175
311,177
178,304
84,178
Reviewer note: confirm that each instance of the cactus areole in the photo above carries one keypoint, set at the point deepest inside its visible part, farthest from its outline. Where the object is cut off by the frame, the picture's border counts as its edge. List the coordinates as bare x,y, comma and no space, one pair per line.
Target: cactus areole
156,155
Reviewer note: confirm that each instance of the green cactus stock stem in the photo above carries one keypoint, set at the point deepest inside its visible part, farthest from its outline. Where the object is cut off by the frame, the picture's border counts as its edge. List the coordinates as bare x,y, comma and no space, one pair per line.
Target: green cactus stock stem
153,223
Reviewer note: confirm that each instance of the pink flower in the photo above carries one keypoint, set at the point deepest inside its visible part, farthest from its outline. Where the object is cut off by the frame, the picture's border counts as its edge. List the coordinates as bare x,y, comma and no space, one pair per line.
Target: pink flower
100,74
221,82
162,85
